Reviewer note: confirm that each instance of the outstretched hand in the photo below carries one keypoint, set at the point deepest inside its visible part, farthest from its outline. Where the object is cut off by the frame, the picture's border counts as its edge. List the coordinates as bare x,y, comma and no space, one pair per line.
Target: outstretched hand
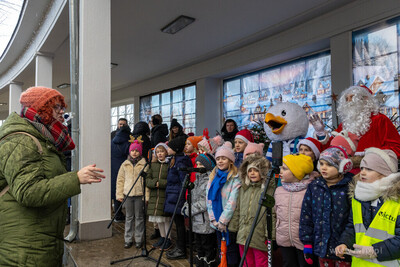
318,124
90,174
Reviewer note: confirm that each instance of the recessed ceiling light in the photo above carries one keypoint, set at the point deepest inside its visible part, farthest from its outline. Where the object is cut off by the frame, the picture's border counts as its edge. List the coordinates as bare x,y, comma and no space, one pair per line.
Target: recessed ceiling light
114,65
178,24
3,104
63,85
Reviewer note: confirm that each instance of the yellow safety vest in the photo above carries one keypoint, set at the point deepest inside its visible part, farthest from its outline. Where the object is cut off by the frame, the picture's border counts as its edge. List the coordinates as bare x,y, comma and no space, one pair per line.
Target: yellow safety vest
381,228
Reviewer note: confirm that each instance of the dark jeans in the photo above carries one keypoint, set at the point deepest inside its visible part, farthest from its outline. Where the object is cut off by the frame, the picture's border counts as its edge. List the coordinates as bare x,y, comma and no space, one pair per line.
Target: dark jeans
206,246
180,232
232,254
293,257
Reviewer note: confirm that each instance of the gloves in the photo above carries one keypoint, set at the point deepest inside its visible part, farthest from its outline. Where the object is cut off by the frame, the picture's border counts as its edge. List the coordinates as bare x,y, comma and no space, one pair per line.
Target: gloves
185,210
318,125
364,252
221,227
308,251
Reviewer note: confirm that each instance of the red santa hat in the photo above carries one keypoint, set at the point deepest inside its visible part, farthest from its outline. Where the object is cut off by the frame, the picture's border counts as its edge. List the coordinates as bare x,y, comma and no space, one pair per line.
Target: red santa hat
369,90
347,140
245,135
312,143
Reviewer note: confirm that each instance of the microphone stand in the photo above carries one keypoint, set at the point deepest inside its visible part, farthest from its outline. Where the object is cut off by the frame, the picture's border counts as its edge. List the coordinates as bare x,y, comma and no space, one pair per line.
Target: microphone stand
145,252
268,202
189,186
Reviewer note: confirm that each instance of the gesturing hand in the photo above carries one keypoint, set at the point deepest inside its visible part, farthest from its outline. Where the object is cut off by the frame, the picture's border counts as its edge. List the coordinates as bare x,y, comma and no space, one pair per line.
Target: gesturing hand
90,174
317,124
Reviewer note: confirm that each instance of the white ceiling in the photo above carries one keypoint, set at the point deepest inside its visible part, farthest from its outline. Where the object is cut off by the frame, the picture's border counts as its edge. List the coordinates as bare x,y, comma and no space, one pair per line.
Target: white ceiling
142,51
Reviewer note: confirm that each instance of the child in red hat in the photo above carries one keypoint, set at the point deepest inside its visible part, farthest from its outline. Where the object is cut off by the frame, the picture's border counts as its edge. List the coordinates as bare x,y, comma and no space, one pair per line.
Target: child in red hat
242,138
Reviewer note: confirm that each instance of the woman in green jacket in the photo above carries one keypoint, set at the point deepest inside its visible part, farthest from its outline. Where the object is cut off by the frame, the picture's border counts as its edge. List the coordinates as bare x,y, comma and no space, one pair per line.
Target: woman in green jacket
34,183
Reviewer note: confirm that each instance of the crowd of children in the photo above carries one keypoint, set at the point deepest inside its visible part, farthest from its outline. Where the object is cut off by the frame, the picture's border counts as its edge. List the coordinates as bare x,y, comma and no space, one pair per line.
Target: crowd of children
323,214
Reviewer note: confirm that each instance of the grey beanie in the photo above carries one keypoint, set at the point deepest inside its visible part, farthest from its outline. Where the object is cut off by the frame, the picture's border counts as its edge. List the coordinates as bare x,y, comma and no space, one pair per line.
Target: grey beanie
207,160
383,161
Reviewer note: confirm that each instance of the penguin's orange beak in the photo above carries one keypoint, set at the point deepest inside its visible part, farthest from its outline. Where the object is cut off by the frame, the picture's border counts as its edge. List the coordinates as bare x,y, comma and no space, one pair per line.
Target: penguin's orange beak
276,123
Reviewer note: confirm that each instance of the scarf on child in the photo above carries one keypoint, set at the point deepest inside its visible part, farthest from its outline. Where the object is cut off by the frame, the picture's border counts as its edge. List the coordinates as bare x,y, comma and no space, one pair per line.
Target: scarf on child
214,194
372,191
56,132
297,186
134,160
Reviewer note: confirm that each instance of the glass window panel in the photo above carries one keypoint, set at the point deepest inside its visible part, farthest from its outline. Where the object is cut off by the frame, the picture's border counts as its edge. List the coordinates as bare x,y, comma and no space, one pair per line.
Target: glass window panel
129,108
121,110
155,100
233,103
114,120
190,92
270,78
376,64
155,110
232,88
166,111
190,106
177,95
165,98
177,109
288,82
319,67
114,111
250,83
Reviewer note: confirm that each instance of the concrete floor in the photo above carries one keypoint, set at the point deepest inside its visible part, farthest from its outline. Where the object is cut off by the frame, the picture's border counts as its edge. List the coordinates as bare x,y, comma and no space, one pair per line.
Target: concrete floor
102,252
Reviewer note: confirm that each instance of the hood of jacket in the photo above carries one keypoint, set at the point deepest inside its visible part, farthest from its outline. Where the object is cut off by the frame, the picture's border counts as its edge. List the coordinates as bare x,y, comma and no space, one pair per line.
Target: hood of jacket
260,162
141,128
392,194
162,128
122,135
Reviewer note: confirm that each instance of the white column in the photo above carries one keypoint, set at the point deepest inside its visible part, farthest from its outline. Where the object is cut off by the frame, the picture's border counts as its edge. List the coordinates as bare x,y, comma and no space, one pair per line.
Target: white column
15,91
341,67
95,120
208,106
44,70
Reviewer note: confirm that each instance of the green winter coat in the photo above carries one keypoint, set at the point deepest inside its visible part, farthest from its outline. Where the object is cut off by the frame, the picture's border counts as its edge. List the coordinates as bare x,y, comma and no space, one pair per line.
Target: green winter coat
157,173
247,205
33,211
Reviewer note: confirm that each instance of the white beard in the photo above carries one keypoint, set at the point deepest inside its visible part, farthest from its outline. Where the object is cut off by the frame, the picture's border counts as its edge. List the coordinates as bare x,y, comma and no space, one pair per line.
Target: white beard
356,114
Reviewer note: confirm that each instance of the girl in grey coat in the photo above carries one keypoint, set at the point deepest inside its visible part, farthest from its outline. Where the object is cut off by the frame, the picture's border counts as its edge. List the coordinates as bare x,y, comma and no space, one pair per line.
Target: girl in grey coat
204,235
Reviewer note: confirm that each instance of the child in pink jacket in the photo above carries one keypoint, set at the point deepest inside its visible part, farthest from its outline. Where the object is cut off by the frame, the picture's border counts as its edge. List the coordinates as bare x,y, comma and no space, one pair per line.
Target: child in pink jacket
296,173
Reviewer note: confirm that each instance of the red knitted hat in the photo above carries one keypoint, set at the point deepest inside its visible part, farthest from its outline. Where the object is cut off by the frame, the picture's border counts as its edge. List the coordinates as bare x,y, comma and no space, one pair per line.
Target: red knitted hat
312,143
245,135
37,97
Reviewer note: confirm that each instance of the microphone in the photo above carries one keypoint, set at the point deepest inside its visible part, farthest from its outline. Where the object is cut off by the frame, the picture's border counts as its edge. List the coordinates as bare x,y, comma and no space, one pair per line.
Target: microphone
191,169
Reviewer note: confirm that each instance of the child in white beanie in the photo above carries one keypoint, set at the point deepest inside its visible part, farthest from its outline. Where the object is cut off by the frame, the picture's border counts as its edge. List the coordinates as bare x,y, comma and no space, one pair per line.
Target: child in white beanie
373,230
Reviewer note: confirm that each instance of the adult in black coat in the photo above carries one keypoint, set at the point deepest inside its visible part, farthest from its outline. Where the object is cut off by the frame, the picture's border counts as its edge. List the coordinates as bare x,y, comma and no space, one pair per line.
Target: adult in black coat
176,130
142,129
119,153
159,130
229,130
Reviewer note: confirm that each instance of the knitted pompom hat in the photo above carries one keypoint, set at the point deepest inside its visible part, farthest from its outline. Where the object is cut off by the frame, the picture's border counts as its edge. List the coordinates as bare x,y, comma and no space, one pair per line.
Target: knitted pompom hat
245,135
226,151
136,144
209,145
164,145
253,148
37,97
313,144
347,140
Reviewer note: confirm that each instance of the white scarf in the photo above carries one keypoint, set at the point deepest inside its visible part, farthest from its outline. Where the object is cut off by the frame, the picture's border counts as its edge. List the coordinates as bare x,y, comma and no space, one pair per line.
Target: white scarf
372,191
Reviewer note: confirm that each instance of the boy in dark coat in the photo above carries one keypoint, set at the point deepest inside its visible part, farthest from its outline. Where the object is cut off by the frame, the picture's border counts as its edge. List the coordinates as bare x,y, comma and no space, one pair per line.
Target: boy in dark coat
326,207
